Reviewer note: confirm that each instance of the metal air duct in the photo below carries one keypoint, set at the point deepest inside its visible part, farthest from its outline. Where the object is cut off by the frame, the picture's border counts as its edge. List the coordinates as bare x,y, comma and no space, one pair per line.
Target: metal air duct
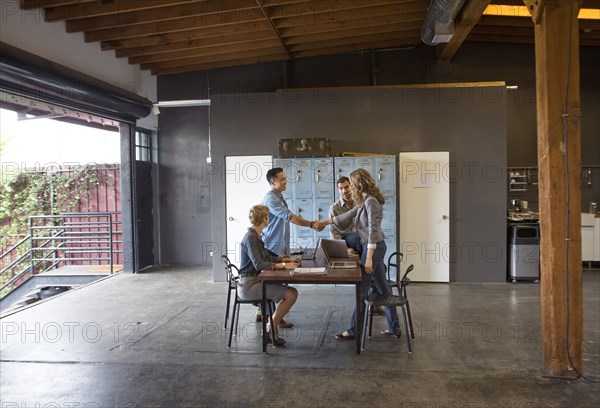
439,22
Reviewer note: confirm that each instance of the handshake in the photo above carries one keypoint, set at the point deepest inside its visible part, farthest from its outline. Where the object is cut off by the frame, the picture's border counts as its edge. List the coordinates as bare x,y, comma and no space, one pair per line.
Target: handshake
318,225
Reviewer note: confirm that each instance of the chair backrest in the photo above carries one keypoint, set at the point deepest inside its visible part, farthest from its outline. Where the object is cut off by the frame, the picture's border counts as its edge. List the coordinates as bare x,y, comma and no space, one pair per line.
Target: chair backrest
225,260
405,280
394,262
233,274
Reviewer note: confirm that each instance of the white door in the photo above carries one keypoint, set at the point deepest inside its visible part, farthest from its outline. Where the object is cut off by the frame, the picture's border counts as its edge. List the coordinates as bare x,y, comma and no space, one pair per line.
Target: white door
245,185
424,214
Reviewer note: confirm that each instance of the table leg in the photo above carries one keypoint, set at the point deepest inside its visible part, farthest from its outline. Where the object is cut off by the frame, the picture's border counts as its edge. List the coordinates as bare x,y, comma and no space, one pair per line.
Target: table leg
357,330
263,311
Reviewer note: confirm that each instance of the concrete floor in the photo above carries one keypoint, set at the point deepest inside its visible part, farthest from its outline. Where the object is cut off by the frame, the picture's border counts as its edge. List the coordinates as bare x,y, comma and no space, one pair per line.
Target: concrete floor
155,340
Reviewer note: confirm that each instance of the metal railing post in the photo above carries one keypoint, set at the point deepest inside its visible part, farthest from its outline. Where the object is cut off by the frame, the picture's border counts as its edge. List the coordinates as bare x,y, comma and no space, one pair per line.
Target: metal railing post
110,245
31,240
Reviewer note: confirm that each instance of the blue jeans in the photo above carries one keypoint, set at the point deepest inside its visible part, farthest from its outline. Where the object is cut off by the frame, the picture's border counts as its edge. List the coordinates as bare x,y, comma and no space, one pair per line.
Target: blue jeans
381,287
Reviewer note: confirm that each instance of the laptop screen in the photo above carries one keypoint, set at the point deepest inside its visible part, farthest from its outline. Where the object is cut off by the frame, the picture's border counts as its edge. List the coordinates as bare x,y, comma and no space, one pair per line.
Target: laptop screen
335,248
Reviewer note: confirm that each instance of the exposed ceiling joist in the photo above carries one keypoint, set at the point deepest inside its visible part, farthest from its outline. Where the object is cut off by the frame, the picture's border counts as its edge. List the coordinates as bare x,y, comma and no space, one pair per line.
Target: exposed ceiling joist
172,36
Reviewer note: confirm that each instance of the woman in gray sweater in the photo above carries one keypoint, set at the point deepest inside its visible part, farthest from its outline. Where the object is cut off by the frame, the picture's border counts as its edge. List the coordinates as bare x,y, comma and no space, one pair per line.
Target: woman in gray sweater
254,257
367,215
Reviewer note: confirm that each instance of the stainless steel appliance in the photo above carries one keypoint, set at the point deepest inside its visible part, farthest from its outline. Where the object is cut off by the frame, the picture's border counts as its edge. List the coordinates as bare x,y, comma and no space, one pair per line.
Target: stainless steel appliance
524,251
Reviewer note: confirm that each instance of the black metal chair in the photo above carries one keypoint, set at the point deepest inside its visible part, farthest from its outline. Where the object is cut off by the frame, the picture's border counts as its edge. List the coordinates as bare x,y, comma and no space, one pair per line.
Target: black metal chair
230,286
393,282
390,301
233,274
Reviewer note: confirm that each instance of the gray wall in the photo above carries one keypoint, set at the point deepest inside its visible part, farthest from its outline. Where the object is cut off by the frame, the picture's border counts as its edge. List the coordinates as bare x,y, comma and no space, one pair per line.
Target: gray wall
470,123
186,144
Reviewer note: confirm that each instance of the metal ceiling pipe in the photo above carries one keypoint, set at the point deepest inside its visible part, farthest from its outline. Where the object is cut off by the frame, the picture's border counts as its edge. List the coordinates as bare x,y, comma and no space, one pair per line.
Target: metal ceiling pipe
441,12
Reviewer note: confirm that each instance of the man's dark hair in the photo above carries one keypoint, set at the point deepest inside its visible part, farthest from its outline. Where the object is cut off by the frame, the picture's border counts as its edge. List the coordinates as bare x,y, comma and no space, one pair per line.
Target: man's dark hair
272,174
343,179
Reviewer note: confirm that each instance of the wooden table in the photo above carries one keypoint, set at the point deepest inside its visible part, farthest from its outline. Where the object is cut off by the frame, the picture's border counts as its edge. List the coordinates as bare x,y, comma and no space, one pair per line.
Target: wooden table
333,276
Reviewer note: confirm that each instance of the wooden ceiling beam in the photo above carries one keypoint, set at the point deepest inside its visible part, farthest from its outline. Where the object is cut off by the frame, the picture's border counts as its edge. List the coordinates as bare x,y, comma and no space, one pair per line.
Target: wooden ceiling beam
33,4
397,43
343,41
205,51
527,22
387,19
186,35
100,8
203,59
235,38
353,32
468,16
220,64
316,8
138,30
329,17
159,14
275,31
519,39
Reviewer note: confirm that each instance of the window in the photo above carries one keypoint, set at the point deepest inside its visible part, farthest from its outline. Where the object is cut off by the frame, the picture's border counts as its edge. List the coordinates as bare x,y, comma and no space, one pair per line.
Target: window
143,145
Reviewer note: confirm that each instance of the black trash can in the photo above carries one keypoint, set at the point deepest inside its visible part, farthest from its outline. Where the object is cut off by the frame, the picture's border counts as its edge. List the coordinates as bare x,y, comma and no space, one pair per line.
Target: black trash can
524,252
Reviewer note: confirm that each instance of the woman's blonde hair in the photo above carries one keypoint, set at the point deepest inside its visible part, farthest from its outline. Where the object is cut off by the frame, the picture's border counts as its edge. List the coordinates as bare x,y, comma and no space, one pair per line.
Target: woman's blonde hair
362,182
257,214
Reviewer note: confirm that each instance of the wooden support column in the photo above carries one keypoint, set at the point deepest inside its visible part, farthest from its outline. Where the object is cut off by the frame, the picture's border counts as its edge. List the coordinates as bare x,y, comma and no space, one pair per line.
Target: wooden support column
552,44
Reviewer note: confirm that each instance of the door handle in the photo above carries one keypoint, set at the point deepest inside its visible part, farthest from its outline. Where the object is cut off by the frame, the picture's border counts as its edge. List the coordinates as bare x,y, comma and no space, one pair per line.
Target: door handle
230,218
444,217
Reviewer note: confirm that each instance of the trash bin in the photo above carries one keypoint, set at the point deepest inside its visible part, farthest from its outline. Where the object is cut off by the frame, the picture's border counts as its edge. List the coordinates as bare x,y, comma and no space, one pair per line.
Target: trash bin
524,252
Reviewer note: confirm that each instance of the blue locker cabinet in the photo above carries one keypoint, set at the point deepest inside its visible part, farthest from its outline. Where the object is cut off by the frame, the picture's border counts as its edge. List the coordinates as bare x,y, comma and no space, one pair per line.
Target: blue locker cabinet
303,178
323,178
309,194
312,188
383,170
368,163
290,169
343,166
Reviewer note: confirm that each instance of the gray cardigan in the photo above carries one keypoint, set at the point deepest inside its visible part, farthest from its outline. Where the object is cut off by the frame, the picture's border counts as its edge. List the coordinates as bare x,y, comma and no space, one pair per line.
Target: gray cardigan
367,219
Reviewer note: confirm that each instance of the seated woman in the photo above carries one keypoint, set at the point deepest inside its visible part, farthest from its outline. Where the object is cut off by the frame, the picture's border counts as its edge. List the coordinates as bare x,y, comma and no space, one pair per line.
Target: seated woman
254,258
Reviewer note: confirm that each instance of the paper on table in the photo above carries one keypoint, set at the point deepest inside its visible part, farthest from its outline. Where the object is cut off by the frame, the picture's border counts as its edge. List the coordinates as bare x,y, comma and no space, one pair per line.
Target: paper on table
308,271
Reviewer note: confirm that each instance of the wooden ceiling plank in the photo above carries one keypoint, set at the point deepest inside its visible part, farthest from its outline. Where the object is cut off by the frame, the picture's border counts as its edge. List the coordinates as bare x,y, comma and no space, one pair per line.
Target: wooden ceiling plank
466,19
158,14
364,39
197,52
220,64
353,32
398,43
209,20
356,13
33,4
354,23
186,35
228,39
212,58
100,8
315,8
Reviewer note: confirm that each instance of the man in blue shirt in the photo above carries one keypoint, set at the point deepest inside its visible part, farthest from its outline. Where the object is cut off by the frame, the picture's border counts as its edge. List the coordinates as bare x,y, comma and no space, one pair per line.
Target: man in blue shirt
276,235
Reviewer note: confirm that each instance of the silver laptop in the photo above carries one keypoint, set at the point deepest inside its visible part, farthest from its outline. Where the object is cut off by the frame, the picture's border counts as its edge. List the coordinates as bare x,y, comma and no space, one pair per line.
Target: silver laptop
309,254
336,253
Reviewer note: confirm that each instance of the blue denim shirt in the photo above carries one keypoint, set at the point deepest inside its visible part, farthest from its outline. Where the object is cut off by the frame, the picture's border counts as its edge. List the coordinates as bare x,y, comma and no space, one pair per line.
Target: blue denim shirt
276,234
